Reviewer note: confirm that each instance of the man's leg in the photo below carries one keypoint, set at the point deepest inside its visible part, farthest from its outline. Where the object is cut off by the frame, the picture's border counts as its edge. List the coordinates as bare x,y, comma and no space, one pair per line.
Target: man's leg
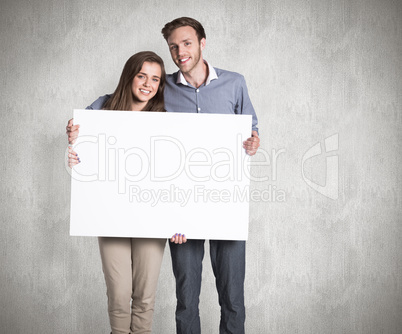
187,269
228,260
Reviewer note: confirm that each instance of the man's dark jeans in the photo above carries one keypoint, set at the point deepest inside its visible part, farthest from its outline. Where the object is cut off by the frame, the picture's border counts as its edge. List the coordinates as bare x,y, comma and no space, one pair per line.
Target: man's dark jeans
228,263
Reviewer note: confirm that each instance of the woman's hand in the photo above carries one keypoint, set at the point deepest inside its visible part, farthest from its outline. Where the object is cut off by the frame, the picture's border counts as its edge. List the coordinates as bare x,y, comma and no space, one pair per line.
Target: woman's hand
72,157
178,238
72,131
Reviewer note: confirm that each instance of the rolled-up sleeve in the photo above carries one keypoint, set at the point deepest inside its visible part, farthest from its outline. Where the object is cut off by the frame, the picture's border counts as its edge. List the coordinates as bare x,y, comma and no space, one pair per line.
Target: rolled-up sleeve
244,104
99,103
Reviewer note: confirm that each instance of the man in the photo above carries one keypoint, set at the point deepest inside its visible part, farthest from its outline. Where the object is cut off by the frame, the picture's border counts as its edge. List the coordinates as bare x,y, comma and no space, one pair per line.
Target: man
198,87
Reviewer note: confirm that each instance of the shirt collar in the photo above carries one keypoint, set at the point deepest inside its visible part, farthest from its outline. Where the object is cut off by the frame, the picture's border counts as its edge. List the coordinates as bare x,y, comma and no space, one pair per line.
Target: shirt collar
211,76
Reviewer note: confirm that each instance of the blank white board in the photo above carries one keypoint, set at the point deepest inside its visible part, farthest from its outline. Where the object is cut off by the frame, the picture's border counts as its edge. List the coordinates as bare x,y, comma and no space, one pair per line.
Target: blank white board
153,174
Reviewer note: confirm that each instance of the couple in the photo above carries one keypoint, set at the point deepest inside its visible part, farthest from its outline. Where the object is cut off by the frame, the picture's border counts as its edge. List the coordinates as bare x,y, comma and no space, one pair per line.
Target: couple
131,265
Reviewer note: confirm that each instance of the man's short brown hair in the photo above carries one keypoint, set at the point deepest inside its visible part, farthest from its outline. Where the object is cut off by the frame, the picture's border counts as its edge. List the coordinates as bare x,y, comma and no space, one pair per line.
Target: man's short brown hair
183,22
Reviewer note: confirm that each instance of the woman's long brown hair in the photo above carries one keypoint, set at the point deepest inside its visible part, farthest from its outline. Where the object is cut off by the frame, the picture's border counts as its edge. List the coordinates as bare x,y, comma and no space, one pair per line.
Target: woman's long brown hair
122,97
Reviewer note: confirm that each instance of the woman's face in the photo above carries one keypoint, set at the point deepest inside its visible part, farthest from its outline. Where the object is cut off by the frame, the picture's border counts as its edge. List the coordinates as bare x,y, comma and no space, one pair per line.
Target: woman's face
146,82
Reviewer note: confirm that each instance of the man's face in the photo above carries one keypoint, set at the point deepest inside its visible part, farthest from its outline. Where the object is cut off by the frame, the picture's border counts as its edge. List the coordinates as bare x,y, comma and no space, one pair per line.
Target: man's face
185,48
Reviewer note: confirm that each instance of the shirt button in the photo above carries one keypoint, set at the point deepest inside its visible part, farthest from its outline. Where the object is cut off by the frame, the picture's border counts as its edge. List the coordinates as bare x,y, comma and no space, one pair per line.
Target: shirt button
199,109
197,90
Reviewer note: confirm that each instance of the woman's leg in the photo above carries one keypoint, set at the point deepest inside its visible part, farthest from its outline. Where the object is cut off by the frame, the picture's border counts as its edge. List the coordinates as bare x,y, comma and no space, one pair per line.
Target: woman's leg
116,264
147,257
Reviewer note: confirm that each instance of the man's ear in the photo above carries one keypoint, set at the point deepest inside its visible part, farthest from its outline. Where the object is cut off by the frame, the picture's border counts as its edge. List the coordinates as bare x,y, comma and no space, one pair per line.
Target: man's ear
202,43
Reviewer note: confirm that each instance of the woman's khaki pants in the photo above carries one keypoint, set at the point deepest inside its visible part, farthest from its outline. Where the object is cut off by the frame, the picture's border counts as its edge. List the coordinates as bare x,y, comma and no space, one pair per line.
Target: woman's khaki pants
131,267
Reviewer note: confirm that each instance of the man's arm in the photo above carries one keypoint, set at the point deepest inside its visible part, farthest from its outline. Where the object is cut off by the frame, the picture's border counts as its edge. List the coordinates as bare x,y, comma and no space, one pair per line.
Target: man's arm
252,144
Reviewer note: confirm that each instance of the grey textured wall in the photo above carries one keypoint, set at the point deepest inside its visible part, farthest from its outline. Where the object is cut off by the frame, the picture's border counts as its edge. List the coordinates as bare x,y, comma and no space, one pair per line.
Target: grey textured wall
315,69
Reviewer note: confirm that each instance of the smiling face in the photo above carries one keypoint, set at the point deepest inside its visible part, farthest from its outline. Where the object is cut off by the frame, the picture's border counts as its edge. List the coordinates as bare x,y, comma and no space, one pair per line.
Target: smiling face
145,84
185,49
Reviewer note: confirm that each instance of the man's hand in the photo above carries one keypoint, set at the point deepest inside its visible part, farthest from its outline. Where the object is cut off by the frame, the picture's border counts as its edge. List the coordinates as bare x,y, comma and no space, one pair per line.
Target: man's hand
178,238
252,144
72,131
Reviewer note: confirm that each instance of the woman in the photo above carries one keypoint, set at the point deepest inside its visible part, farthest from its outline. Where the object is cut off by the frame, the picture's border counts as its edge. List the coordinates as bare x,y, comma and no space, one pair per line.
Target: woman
131,265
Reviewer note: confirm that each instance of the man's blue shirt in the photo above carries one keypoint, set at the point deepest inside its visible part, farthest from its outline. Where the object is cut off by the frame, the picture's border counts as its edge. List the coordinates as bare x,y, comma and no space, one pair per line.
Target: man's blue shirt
225,94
